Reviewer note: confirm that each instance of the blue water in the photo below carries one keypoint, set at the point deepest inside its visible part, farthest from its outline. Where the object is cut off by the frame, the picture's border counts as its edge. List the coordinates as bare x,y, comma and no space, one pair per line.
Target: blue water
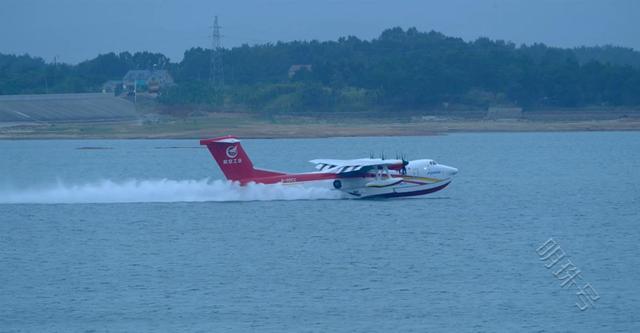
143,237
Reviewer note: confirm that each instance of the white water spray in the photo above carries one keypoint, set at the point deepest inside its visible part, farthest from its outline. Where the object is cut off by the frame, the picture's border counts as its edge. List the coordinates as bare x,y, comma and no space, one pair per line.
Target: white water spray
163,190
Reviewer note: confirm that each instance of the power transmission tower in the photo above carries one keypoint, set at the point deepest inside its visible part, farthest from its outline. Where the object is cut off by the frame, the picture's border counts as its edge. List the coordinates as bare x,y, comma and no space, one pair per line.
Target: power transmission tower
217,70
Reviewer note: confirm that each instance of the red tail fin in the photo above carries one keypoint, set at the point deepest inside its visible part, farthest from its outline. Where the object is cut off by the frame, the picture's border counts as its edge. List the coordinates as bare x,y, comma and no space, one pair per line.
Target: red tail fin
233,160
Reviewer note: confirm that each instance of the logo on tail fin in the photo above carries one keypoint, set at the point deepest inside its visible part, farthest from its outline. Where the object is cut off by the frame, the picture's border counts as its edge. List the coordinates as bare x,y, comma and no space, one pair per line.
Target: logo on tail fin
232,151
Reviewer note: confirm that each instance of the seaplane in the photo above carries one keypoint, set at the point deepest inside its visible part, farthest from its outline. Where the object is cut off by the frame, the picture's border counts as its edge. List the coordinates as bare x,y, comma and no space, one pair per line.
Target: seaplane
357,178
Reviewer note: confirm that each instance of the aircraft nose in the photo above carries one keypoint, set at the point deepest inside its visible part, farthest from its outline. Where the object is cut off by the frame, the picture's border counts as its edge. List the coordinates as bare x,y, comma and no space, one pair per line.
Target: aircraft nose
451,171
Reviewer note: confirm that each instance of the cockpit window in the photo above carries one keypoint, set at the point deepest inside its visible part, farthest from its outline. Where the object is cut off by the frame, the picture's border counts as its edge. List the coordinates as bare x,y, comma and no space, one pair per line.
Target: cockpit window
432,163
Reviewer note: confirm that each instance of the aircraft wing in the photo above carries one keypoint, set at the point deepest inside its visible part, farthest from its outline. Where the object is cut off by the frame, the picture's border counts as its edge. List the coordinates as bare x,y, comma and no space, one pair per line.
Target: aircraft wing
355,166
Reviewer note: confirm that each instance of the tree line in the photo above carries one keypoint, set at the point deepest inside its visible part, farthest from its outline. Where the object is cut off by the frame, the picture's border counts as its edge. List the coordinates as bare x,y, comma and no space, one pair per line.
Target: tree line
400,69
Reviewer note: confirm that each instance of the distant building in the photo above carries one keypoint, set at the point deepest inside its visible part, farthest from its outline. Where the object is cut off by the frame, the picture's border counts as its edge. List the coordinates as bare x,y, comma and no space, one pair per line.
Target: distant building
111,86
295,68
147,80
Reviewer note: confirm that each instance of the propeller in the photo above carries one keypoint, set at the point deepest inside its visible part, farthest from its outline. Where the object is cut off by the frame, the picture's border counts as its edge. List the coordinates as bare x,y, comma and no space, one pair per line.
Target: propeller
402,157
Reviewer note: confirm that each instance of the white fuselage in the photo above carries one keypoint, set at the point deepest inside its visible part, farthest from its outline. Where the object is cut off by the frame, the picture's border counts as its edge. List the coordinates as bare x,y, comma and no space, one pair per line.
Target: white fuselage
418,178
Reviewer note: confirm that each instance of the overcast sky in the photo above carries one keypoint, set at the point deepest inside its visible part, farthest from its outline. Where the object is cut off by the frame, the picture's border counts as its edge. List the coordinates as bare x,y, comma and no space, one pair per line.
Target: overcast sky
76,30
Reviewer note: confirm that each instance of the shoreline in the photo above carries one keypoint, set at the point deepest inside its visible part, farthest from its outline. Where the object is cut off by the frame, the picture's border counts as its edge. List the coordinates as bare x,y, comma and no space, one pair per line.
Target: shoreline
261,129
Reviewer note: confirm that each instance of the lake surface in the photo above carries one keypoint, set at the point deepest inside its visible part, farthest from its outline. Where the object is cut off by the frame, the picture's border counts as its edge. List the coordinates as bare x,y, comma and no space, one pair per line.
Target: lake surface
144,237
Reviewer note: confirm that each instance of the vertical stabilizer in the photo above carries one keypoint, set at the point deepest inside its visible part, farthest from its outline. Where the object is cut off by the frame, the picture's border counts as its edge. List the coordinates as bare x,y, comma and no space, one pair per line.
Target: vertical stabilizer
233,160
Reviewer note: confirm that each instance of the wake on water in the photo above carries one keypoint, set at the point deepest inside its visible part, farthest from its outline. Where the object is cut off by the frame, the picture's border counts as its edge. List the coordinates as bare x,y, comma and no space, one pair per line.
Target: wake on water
162,190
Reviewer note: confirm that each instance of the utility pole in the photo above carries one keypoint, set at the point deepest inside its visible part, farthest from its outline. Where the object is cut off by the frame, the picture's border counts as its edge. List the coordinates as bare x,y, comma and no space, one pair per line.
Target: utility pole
55,68
216,72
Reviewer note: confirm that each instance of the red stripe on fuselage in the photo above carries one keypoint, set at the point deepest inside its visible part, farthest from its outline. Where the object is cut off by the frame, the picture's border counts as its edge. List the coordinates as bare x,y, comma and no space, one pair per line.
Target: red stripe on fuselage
291,178
309,177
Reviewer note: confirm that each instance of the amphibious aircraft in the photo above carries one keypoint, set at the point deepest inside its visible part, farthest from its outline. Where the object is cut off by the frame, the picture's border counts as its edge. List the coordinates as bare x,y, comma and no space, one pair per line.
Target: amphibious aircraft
357,178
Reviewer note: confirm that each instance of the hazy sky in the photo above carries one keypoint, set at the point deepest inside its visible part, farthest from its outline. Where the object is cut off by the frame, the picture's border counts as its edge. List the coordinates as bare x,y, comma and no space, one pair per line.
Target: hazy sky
76,30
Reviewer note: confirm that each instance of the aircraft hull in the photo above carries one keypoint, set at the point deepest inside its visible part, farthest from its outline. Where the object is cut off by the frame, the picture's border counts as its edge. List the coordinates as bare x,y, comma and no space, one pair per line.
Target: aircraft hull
355,188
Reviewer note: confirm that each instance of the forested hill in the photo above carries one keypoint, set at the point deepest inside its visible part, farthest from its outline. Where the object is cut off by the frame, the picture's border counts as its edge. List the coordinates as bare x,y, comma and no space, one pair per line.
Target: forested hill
401,69
615,55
